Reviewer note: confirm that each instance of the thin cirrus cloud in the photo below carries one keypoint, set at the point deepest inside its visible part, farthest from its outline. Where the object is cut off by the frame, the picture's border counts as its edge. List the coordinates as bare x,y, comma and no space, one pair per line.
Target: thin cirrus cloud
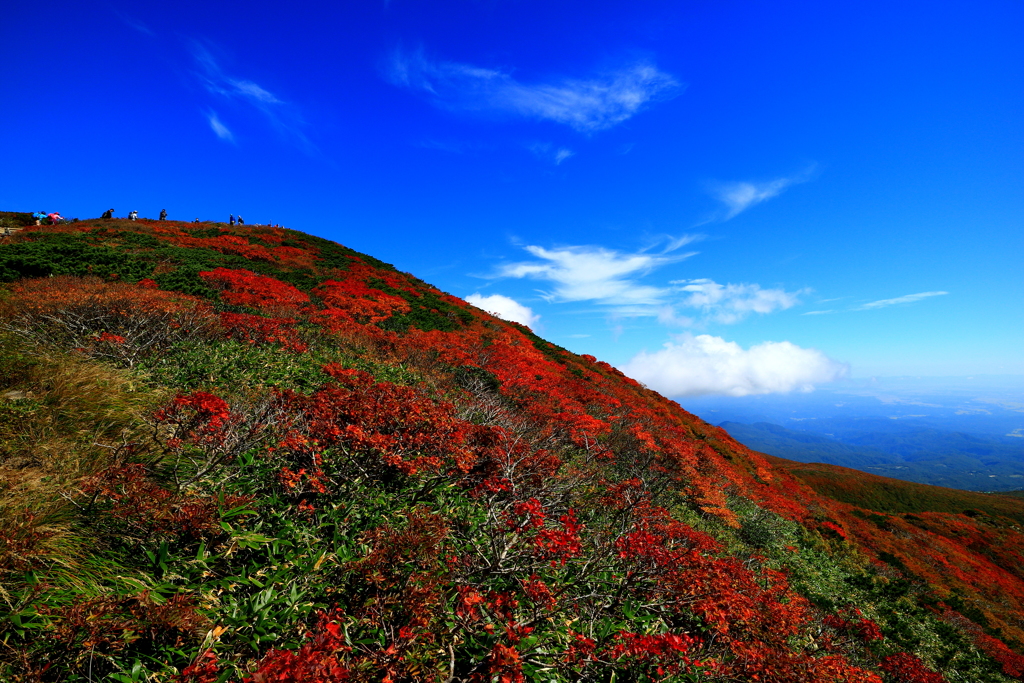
283,116
550,153
883,303
906,299
737,197
134,23
586,105
612,279
219,129
703,364
505,308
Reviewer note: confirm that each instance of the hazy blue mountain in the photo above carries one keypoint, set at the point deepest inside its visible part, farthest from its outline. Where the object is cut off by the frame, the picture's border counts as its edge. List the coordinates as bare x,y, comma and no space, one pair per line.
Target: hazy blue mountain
962,432
902,451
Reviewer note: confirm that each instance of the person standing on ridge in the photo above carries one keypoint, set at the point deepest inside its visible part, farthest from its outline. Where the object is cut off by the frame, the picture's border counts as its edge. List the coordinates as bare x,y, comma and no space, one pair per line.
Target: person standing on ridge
108,214
231,219
163,214
240,221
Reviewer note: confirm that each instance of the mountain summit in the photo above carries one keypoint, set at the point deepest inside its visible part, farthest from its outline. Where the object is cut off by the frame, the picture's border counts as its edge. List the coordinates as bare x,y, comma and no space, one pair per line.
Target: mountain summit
245,453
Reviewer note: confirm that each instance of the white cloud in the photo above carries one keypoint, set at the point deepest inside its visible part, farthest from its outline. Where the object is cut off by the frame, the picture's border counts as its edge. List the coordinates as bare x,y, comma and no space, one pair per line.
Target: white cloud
504,308
612,278
818,312
586,105
548,152
283,116
909,298
740,196
219,128
731,303
695,365
587,273
562,154
254,92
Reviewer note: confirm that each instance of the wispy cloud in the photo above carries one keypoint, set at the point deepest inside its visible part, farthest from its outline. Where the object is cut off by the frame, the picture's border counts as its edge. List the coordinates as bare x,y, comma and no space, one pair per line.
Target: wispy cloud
562,154
906,299
732,303
694,365
614,280
586,105
588,273
219,128
505,308
739,196
135,23
818,312
550,153
283,116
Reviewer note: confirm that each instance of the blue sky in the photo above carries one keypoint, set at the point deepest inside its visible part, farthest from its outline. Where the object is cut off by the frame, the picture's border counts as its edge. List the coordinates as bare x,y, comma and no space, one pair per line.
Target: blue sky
719,197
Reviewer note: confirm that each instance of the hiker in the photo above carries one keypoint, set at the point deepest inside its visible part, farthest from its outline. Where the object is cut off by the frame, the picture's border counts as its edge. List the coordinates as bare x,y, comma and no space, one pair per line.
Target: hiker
196,220
108,214
39,216
7,231
163,214
133,215
231,219
240,221
54,218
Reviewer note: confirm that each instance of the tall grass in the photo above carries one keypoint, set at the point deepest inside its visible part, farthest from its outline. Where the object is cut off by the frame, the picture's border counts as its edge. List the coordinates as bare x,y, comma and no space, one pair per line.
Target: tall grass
62,418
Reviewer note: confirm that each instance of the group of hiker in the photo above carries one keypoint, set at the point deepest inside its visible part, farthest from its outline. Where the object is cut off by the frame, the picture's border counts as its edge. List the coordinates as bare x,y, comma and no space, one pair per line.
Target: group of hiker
132,215
54,218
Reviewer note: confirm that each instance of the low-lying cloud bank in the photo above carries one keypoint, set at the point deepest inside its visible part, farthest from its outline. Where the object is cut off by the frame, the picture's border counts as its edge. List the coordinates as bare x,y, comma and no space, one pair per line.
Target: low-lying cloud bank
505,308
703,364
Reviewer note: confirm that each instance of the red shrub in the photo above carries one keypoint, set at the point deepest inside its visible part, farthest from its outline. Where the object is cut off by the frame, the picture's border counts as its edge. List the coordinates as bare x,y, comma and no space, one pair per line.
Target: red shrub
245,288
907,668
319,660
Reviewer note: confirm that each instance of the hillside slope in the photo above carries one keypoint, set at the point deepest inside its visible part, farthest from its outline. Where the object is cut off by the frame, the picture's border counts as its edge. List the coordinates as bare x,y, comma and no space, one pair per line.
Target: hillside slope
248,453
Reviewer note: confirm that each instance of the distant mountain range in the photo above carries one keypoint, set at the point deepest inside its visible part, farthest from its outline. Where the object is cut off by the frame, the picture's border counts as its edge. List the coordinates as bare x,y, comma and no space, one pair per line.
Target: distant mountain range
900,449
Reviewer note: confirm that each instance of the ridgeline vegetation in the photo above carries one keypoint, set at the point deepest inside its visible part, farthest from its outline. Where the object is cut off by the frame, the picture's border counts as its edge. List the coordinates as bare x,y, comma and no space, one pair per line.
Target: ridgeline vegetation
244,453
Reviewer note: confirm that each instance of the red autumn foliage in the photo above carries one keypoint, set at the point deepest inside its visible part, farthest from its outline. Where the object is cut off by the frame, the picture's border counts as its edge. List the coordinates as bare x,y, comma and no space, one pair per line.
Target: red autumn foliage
353,300
255,329
110,320
111,623
852,622
245,288
371,427
540,439
319,660
1012,663
148,508
906,668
